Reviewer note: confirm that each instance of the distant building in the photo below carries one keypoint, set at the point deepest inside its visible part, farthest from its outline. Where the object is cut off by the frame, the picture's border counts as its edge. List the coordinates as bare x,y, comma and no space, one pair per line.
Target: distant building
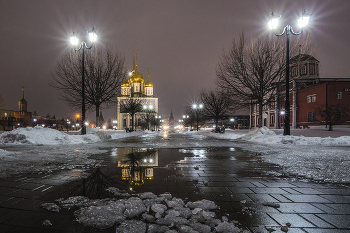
136,88
307,92
23,115
10,119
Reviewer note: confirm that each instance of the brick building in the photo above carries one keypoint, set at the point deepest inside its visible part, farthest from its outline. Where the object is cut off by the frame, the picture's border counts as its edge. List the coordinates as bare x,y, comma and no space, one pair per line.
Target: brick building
308,92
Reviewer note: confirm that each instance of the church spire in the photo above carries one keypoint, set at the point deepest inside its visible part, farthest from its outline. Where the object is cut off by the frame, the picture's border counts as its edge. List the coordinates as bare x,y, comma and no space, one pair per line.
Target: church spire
133,61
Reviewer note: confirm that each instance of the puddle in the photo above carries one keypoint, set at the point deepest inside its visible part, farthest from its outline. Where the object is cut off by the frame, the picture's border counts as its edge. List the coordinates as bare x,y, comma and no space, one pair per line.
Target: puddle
160,170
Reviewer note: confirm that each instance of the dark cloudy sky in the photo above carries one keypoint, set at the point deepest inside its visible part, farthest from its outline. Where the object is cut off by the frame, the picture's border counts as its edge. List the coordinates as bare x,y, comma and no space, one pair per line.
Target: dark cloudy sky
179,40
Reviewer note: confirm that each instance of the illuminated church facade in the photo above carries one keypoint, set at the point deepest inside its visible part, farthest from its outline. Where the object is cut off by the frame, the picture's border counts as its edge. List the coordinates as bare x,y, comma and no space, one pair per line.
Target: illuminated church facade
136,88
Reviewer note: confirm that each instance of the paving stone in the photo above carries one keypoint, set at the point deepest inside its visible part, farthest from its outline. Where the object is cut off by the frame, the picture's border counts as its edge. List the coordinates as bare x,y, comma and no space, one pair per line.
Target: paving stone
245,184
294,219
306,198
325,208
262,197
213,190
319,222
298,208
278,185
337,198
340,208
269,190
240,190
307,191
27,219
281,198
313,230
339,221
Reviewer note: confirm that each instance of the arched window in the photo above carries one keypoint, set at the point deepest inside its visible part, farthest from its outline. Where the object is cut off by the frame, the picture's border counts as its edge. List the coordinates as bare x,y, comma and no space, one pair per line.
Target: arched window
312,69
303,69
272,119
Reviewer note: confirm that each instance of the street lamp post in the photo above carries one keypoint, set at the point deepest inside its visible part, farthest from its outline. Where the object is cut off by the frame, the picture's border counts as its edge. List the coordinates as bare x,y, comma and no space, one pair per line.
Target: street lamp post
196,109
75,41
273,22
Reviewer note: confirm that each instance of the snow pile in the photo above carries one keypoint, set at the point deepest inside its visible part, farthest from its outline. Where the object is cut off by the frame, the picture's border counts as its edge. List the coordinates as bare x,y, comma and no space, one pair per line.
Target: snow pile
44,136
117,134
257,134
148,212
4,153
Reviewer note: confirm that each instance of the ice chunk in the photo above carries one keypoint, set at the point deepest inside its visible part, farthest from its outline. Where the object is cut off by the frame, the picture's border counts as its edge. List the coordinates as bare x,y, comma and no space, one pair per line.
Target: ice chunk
154,228
208,215
187,229
159,208
101,217
201,227
148,218
227,227
173,213
196,210
184,212
175,202
74,201
47,223
167,196
51,207
134,207
147,195
204,204
149,202
132,226
271,204
170,220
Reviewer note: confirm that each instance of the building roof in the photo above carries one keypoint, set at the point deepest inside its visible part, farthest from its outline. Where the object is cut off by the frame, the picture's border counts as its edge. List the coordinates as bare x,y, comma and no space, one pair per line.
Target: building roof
22,101
302,57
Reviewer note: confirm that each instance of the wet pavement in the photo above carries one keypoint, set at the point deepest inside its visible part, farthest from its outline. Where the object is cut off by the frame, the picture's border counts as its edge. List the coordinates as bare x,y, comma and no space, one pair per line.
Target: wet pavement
236,180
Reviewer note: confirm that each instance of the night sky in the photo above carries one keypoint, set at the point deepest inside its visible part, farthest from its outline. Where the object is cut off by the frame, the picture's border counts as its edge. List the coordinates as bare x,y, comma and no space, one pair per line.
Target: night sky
180,41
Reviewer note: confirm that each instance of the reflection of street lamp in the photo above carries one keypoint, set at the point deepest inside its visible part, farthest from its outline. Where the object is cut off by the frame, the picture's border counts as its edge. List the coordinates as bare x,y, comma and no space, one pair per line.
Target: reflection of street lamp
75,41
232,120
197,109
273,22
68,123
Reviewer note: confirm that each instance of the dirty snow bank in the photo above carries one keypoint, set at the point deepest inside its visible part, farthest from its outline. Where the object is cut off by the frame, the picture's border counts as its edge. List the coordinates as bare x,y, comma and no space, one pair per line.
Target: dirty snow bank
267,136
46,136
143,211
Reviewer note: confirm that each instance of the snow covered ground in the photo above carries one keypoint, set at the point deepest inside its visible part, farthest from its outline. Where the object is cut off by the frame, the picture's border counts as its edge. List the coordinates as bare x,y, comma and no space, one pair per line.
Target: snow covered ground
42,149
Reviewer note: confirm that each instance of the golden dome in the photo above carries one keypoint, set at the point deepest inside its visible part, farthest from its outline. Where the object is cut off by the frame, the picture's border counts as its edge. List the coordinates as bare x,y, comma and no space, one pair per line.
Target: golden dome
136,77
148,83
125,83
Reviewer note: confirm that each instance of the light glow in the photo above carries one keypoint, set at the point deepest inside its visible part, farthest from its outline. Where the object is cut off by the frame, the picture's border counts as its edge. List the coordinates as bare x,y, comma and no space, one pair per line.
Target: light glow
74,40
304,19
273,22
92,35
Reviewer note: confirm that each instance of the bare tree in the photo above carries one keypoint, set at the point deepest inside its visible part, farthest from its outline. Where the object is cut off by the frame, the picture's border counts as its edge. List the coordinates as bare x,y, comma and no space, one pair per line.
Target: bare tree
333,113
132,106
216,104
103,77
250,70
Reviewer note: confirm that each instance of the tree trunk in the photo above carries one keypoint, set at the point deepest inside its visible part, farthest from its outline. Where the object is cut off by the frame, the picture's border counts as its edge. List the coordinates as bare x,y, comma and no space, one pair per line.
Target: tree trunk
260,115
330,127
132,121
97,116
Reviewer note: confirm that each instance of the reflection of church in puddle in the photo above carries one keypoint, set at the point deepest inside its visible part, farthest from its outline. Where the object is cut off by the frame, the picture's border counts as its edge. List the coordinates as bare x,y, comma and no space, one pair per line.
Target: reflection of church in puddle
139,168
